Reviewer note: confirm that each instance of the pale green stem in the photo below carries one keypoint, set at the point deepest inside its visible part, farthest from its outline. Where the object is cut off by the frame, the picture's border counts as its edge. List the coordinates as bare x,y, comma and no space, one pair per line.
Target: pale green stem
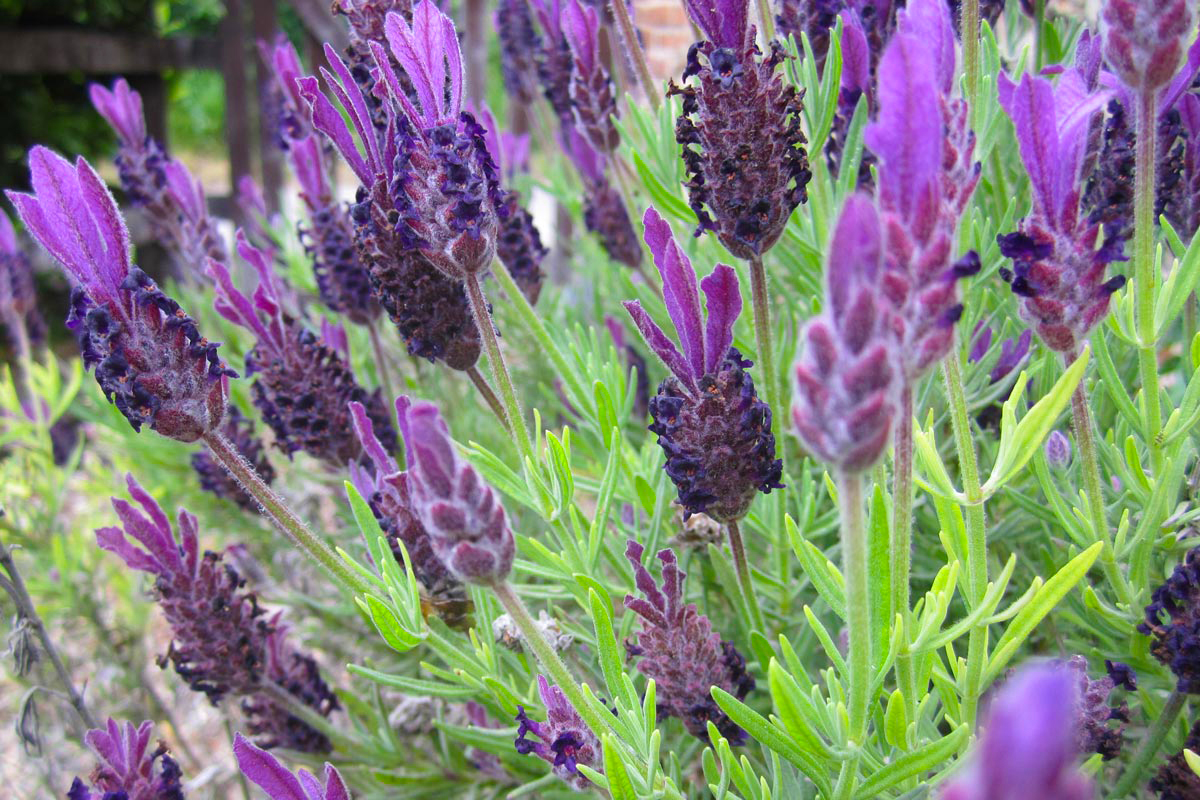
508,395
283,517
767,19
764,342
743,573
977,569
489,397
636,53
858,607
1090,463
557,671
1135,771
901,545
1143,255
970,43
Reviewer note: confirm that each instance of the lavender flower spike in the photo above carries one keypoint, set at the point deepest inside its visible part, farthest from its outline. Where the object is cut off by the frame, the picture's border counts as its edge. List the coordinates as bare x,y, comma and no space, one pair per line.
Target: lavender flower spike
1172,620
593,98
678,649
149,358
564,741
18,294
1058,272
740,132
711,425
172,199
604,211
265,772
221,642
387,492
1027,749
924,184
126,770
303,381
519,46
1144,40
464,518
446,192
847,384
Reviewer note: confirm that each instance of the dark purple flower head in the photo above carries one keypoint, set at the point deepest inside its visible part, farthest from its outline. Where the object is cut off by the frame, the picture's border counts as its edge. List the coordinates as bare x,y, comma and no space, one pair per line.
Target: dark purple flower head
847,383
328,237
1173,622
18,293
1176,780
429,308
925,183
127,768
554,61
519,48
740,131
711,425
149,358
214,478
1094,714
1027,749
266,772
1144,40
303,382
461,513
1058,272
563,740
593,97
163,188
604,211
222,643
386,491
678,649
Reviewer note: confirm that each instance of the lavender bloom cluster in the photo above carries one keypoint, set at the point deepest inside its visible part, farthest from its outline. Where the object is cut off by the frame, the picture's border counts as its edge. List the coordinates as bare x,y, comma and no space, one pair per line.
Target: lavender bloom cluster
563,740
128,769
149,358
223,642
1172,621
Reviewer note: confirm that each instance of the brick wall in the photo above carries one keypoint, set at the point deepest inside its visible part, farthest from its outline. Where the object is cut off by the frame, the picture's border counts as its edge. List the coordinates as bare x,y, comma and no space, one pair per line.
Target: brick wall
666,33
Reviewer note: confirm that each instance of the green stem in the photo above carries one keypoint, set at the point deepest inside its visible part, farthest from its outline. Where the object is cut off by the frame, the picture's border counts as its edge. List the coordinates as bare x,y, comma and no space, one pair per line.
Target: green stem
977,569
489,397
1134,772
764,342
1143,255
283,517
901,545
508,395
381,369
767,19
636,53
1084,437
858,604
970,43
743,574
558,672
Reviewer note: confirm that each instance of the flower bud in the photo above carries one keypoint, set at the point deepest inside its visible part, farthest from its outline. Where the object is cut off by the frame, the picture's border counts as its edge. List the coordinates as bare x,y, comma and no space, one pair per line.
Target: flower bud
148,355
519,46
1144,40
593,98
1058,450
127,766
464,518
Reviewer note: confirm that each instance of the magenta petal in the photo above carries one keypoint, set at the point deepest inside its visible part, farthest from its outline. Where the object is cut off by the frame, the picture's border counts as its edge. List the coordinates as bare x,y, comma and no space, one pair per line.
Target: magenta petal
724,305
384,464
929,21
305,156
662,346
335,789
581,26
328,121
113,268
679,289
412,46
1032,111
856,54
265,771
855,252
725,23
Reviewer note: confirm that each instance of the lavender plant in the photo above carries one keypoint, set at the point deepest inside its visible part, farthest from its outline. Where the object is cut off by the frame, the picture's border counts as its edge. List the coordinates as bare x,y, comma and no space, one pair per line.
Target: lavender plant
976,585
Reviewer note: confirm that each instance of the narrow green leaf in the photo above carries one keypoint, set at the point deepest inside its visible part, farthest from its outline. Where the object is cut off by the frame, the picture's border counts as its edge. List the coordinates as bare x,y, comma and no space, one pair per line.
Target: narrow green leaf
388,624
911,765
414,685
619,785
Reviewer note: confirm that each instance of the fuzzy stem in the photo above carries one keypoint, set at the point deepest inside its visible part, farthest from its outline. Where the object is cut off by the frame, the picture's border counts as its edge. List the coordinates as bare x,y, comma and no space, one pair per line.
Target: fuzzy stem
977,568
1143,256
970,44
14,584
381,369
508,395
1150,745
858,610
283,517
764,342
558,672
901,545
1084,437
743,573
634,49
485,391
767,19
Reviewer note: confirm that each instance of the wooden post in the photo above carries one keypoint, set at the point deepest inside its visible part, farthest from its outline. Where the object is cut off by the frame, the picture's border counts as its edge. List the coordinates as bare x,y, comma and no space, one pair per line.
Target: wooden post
265,28
234,59
475,45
